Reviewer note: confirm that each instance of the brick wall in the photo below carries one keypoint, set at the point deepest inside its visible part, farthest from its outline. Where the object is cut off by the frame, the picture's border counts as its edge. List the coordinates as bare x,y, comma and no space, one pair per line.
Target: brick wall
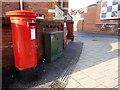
8,67
80,25
44,25
7,50
37,7
41,8
92,20
9,6
65,7
89,22
70,31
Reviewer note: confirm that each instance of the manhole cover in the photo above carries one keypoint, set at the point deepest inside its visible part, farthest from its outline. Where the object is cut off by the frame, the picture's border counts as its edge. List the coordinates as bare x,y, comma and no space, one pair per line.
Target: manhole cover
94,40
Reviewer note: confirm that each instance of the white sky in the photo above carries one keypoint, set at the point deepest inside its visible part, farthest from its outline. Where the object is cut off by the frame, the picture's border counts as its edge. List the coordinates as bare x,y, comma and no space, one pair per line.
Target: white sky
77,4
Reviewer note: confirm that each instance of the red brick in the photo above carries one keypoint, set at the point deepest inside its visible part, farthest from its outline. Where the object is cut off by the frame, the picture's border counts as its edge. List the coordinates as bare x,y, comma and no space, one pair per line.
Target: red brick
92,18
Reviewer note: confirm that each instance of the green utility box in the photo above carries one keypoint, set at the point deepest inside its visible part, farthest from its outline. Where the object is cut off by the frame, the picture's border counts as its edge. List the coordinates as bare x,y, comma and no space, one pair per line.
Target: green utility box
53,45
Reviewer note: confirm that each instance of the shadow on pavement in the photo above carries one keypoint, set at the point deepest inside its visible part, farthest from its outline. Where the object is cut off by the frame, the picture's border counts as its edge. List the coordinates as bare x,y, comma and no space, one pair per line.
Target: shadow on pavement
48,72
105,52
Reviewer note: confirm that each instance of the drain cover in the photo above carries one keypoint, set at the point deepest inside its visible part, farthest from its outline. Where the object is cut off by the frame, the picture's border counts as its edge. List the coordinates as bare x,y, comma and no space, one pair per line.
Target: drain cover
94,40
57,85
62,81
64,77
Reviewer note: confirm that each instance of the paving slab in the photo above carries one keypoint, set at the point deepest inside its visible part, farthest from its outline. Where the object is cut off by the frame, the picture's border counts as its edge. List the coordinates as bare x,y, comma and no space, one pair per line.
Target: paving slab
98,64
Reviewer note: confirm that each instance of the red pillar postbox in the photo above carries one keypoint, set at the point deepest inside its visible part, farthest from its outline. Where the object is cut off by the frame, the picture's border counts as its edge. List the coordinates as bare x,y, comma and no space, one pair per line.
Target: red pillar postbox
24,38
70,34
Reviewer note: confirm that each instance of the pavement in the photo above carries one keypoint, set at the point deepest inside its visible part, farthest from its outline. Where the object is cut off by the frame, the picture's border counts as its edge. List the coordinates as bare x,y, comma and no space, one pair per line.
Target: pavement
95,66
98,65
54,74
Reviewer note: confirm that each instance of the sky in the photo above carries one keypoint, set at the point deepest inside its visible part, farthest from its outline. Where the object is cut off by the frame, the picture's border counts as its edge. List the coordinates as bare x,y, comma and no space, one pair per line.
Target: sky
77,4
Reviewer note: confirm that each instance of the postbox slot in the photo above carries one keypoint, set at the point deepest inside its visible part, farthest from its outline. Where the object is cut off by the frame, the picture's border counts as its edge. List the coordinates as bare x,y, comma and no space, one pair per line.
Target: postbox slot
31,24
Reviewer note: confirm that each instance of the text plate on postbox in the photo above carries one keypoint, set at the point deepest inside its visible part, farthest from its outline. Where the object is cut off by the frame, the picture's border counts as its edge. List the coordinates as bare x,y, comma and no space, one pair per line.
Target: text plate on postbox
32,33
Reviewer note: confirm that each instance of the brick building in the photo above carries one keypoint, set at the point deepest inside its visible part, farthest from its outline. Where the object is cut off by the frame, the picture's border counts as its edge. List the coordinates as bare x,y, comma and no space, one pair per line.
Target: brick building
90,20
52,10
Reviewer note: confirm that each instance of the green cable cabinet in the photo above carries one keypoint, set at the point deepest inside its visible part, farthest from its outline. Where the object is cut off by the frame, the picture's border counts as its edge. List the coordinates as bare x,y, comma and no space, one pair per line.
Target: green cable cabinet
53,45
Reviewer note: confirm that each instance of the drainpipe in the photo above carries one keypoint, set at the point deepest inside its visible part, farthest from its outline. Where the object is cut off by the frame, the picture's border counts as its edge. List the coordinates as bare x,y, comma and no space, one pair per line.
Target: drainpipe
21,5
